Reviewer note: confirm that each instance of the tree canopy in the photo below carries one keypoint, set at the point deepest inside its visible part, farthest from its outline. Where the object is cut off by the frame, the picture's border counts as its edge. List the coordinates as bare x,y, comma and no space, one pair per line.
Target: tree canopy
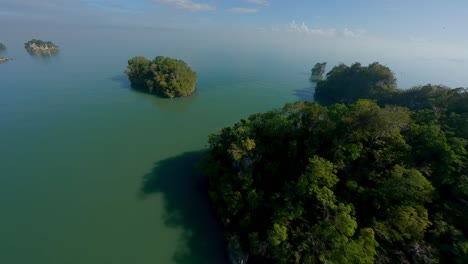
40,43
347,84
163,76
354,183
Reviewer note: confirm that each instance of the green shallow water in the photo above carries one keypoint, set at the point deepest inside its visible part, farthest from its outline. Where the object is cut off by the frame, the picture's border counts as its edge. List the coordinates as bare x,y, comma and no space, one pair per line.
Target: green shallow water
93,172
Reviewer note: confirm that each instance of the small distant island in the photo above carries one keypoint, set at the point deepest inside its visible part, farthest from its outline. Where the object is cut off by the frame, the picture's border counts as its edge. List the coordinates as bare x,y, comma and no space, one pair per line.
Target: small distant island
163,76
3,59
41,47
317,71
2,46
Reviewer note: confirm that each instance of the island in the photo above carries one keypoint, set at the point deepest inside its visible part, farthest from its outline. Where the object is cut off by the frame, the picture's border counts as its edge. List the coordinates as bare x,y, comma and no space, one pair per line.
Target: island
40,47
163,76
376,180
317,71
2,46
3,59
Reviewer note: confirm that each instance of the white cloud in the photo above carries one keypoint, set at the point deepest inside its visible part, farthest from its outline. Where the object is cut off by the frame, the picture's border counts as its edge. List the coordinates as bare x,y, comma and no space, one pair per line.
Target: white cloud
258,2
348,33
303,28
243,10
188,4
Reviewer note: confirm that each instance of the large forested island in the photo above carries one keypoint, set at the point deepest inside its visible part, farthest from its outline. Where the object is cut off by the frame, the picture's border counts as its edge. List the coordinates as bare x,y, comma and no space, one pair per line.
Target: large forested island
37,46
162,76
361,182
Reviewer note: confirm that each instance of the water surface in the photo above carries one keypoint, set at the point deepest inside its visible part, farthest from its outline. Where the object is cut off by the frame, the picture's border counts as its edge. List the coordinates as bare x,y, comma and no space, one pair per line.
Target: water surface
94,172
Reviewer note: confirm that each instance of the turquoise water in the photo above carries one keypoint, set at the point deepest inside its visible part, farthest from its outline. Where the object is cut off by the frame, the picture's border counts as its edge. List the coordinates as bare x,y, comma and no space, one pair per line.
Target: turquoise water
93,172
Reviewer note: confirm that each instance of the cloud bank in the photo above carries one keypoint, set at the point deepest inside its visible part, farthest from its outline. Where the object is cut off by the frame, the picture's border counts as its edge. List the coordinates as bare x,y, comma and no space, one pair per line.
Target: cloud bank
188,5
330,32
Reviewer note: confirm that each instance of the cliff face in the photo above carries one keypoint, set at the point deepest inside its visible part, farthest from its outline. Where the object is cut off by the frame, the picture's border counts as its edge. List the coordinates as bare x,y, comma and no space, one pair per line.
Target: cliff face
319,69
44,47
317,72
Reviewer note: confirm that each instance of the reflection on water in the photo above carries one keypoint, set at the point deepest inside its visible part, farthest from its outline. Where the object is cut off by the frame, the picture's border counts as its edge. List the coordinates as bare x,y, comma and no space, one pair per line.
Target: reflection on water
181,104
122,80
43,55
316,78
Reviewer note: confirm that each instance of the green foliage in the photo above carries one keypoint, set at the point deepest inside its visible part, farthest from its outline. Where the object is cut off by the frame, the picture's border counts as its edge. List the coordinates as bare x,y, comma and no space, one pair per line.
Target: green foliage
343,184
40,43
163,76
346,84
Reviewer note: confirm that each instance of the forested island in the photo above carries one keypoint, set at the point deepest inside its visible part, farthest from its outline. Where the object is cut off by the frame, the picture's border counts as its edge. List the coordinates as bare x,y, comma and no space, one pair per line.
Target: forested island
162,76
41,47
379,180
2,46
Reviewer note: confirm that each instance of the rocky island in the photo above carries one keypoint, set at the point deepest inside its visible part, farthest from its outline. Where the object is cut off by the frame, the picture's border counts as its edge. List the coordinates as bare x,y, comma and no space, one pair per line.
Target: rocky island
317,71
2,46
162,76
40,47
3,59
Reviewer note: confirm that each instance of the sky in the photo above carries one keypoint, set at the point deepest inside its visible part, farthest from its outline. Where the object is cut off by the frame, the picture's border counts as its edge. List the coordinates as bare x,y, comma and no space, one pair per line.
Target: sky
412,20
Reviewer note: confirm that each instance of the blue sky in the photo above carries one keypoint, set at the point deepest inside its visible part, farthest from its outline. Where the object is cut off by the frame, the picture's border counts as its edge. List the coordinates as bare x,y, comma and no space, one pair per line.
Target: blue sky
416,20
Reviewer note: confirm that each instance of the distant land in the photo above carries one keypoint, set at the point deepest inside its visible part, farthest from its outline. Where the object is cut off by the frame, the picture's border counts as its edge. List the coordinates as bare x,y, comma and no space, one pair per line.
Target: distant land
37,46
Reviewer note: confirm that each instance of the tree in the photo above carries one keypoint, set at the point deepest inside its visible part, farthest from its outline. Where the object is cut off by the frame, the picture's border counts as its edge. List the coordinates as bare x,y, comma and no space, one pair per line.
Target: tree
352,183
347,84
163,76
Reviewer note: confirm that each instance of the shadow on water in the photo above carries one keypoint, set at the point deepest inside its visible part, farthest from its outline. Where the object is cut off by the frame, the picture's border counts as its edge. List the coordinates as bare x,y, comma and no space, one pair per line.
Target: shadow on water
122,80
305,94
186,208
165,104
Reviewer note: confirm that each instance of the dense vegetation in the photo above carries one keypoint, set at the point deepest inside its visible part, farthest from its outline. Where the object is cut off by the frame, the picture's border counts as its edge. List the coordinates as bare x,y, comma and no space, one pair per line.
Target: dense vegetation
41,44
355,183
347,84
163,76
2,46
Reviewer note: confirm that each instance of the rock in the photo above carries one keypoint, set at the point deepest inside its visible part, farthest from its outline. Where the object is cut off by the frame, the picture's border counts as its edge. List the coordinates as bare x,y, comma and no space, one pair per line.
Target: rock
318,70
2,59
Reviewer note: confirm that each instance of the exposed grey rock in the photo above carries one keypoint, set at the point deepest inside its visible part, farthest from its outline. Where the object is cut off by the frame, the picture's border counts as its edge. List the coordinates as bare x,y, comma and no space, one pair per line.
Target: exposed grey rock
319,69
